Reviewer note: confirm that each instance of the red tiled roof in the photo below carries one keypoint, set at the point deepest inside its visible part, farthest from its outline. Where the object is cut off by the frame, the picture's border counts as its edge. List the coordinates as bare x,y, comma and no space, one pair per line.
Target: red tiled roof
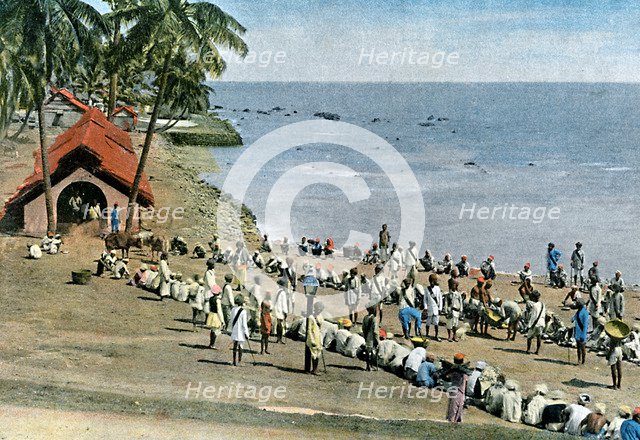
128,109
93,134
69,97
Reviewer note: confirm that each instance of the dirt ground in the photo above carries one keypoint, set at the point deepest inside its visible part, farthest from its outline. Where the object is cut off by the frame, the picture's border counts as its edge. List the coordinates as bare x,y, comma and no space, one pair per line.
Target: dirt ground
106,337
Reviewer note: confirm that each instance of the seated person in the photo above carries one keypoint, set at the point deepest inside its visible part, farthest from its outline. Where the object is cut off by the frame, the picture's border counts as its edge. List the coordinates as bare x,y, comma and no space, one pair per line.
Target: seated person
328,247
445,266
284,247
463,267
559,278
258,260
140,277
413,362
199,251
427,261
427,373
316,247
120,269
265,246
106,262
573,295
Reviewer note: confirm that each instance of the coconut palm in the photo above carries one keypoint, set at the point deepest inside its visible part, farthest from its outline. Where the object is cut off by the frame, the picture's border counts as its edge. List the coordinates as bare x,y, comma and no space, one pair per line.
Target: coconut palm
166,28
51,34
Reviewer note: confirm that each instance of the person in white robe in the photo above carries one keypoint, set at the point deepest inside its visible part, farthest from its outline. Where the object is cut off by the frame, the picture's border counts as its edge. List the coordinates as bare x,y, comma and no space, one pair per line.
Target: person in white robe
410,260
164,273
533,412
210,275
120,269
239,329
512,403
395,262
281,310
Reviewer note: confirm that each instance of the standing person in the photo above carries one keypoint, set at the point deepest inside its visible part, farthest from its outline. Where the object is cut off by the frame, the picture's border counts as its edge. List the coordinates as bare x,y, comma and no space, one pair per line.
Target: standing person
433,305
352,295
384,239
630,429
227,300
265,325
614,358
371,333
210,274
476,293
379,288
313,344
595,300
577,264
215,320
581,319
593,272
486,301
115,219
410,260
553,256
196,301
488,268
281,309
241,260
165,275
510,312
456,392
536,321
239,329
395,262
616,302
75,202
454,308
291,282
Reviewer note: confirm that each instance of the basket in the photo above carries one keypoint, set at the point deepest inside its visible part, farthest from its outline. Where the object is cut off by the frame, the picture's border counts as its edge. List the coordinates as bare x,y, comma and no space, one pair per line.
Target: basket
345,323
419,341
81,277
617,329
494,319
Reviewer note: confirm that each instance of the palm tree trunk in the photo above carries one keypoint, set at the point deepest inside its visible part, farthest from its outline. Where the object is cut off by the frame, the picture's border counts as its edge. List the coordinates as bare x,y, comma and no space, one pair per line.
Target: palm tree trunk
172,122
113,80
46,178
162,86
23,126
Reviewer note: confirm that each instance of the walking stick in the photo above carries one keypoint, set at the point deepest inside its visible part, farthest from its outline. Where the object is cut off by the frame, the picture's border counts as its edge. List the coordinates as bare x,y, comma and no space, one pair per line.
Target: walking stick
251,351
323,363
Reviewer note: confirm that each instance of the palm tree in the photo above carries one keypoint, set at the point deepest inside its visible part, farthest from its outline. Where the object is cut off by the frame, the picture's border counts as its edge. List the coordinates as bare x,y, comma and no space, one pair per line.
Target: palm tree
123,13
50,33
166,28
186,90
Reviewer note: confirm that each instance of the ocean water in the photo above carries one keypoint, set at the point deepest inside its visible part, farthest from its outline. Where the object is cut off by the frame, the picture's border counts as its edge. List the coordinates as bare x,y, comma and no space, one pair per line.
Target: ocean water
568,147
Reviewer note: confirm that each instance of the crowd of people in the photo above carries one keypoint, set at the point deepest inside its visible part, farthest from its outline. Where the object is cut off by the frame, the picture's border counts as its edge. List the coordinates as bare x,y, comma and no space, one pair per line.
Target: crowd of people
238,307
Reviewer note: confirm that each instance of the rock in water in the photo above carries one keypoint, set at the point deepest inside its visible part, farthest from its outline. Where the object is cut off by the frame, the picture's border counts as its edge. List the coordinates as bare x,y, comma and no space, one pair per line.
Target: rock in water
328,116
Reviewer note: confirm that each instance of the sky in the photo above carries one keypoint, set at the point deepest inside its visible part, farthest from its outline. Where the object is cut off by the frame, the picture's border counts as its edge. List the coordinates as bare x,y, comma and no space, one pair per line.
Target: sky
428,40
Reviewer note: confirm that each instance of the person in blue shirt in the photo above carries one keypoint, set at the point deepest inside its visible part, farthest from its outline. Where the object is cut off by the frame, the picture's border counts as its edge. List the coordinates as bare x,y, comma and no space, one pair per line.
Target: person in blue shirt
406,315
426,376
581,320
630,429
115,218
553,256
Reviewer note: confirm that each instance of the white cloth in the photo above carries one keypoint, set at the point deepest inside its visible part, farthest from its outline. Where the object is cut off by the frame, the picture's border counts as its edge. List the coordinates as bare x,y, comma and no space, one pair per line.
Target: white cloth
595,301
433,300
415,359
281,305
378,288
512,406
613,431
575,414
210,278
35,252
164,273
240,330
471,383
533,413
410,257
184,292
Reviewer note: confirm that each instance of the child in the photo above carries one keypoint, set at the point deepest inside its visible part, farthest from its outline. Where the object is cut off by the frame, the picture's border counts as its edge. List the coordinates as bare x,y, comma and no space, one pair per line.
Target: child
265,326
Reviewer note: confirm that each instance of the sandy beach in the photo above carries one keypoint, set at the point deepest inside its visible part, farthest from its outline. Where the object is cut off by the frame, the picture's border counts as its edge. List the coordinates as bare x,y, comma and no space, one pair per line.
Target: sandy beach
106,358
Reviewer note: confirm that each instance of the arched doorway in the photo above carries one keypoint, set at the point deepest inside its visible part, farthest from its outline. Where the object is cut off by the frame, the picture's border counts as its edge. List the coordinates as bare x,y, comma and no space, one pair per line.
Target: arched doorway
88,193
